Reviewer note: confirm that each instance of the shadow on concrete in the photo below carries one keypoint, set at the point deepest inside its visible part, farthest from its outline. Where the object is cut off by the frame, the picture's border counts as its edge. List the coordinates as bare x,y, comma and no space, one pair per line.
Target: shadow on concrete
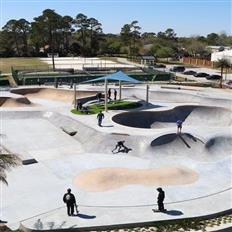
184,141
62,225
50,225
85,216
173,212
107,126
124,150
38,225
168,138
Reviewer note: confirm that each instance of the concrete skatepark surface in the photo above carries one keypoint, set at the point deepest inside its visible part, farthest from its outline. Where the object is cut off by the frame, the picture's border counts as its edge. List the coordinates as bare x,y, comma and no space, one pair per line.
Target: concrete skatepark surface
196,178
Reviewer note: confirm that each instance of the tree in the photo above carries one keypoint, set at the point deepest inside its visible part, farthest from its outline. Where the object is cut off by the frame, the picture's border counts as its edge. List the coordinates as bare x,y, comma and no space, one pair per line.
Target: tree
170,34
135,34
6,41
213,39
196,48
165,52
67,29
130,36
24,29
12,30
125,35
222,63
95,32
7,161
81,21
48,26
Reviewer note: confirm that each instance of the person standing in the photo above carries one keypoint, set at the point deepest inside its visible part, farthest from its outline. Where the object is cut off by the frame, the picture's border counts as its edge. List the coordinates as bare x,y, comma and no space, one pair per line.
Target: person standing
70,201
160,199
109,93
98,96
100,117
179,126
115,94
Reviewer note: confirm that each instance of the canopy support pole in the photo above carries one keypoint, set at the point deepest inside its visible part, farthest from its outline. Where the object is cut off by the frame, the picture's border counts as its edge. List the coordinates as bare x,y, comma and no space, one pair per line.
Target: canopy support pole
75,96
106,93
120,90
147,94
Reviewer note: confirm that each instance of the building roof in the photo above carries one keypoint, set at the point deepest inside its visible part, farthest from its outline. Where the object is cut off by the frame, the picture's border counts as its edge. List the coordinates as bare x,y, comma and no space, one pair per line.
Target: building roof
148,57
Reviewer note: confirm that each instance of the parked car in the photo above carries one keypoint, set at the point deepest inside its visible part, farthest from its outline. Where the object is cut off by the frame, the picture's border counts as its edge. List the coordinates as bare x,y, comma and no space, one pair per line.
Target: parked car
189,72
177,69
201,74
229,82
160,66
213,77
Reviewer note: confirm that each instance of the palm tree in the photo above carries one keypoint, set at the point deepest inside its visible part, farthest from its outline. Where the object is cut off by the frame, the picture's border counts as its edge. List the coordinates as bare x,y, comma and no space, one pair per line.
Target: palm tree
7,161
222,63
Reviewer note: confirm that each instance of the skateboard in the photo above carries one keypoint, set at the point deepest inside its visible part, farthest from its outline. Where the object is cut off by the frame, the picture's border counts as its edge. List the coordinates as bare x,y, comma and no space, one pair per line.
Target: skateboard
158,211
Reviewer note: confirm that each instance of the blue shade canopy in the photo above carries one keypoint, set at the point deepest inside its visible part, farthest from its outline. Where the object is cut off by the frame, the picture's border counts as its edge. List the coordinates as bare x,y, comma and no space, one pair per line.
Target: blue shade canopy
118,76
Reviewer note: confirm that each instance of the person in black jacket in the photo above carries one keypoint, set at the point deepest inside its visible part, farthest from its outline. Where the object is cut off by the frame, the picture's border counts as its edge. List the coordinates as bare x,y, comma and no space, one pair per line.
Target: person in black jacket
100,117
160,199
70,201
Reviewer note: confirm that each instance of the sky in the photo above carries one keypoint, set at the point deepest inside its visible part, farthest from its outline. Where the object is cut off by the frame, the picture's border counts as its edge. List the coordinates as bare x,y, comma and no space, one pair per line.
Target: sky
186,17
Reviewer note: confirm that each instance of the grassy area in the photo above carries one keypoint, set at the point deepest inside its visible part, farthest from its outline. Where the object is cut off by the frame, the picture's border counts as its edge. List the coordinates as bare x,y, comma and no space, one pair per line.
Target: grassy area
114,105
7,63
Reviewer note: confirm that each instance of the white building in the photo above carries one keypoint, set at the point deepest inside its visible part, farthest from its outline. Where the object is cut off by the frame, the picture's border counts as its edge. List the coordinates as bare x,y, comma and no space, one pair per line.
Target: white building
218,48
227,54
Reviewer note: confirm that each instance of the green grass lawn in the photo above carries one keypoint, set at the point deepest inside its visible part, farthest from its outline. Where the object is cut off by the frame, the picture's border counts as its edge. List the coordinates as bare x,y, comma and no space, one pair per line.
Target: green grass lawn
114,105
7,63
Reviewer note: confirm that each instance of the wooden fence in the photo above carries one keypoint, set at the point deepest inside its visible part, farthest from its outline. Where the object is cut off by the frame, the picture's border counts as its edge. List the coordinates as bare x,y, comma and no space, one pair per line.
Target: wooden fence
198,62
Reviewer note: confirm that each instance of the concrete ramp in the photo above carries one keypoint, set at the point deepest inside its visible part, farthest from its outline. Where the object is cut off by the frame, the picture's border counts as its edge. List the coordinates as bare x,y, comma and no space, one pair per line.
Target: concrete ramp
218,145
190,114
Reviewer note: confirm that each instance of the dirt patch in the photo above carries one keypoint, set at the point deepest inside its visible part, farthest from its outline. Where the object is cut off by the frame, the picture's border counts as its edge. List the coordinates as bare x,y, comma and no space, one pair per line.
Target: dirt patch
52,94
105,179
15,102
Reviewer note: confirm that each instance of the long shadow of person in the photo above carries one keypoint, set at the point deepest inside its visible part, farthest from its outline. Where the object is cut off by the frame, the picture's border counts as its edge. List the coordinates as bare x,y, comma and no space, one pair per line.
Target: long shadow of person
84,216
173,212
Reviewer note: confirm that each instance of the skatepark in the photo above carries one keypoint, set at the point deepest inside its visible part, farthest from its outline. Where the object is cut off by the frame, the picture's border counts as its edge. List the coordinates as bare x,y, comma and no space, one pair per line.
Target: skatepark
194,167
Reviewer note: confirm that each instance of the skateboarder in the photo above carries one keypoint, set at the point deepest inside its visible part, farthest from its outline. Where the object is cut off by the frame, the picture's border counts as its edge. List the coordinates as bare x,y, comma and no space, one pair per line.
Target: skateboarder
100,117
160,199
179,126
115,94
120,145
99,95
109,93
70,201
79,105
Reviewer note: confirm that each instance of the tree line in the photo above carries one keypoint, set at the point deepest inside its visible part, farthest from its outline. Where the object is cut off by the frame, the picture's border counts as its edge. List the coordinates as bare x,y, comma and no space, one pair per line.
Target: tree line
83,36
